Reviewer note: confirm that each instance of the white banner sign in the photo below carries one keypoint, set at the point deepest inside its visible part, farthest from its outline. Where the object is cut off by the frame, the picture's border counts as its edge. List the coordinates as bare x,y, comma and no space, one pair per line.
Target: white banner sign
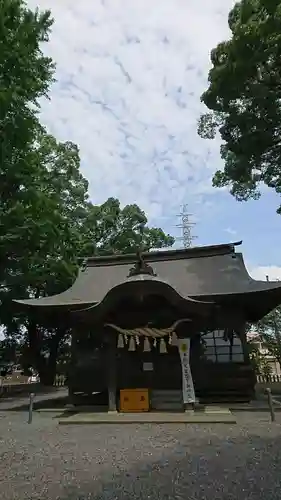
187,382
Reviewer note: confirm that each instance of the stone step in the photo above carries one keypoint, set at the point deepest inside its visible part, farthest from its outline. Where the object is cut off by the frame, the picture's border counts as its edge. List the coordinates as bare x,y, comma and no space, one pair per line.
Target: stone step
166,396
167,392
166,400
167,406
158,418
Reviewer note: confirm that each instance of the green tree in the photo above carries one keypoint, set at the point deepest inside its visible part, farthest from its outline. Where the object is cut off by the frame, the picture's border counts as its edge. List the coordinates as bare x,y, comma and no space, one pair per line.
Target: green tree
266,342
109,229
259,360
25,76
269,330
243,97
46,261
105,229
8,351
33,209
66,230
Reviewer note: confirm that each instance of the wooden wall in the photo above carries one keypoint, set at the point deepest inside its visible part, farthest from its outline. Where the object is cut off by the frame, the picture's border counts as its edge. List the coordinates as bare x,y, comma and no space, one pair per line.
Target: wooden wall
213,382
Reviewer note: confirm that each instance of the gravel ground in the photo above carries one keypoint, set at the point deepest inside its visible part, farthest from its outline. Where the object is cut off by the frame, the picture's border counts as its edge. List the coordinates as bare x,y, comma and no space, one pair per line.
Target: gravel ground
46,461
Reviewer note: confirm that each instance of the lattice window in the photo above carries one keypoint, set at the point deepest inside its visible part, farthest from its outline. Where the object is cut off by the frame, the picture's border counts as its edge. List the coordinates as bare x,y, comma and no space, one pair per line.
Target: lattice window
219,351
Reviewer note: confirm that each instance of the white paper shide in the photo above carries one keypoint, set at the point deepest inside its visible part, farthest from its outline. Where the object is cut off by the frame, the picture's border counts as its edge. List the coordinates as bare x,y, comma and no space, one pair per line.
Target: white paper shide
187,381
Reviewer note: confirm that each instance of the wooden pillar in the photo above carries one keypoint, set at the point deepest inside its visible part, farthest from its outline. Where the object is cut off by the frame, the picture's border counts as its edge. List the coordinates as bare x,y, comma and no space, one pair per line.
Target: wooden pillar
112,372
241,331
73,348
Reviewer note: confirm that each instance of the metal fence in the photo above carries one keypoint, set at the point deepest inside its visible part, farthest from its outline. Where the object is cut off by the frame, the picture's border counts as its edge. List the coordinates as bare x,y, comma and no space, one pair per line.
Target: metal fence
268,378
60,381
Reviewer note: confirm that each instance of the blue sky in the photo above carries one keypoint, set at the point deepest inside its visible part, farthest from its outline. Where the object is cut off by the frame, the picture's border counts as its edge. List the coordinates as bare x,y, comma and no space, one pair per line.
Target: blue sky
129,78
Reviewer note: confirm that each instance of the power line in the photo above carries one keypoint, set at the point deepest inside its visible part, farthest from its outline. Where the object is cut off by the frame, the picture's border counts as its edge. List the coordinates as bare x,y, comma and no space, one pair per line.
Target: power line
186,226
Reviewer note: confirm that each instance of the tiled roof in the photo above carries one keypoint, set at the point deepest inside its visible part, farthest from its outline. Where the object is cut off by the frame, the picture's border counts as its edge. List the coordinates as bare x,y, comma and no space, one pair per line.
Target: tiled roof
206,274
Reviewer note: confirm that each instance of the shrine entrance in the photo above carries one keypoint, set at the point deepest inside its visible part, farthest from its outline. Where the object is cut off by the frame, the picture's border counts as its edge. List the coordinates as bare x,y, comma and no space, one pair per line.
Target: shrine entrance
150,347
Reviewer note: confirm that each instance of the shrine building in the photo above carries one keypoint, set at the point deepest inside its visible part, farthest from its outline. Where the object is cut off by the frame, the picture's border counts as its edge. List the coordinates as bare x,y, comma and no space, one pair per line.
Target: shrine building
163,330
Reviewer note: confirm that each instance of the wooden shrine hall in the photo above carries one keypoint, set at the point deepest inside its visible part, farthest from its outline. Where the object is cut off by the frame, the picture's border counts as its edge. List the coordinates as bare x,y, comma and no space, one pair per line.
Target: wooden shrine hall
161,330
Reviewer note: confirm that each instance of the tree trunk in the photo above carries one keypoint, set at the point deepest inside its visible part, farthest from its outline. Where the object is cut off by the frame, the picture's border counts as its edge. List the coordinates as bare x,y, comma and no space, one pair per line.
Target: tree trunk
36,359
51,364
46,368
278,360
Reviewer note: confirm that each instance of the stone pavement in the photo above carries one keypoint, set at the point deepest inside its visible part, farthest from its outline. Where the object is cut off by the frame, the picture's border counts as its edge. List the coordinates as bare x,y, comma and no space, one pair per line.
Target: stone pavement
53,396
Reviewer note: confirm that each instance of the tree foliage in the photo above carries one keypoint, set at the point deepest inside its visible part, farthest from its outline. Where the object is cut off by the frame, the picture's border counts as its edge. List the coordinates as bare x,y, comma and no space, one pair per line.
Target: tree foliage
109,229
269,330
25,76
62,227
259,360
244,96
265,345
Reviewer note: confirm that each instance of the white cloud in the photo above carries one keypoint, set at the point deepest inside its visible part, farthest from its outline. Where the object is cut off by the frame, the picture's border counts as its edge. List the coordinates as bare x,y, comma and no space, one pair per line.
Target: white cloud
231,231
260,272
129,78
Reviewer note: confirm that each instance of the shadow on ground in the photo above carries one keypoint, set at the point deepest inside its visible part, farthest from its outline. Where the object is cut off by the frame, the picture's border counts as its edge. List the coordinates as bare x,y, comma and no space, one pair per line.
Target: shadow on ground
44,398
202,468
55,398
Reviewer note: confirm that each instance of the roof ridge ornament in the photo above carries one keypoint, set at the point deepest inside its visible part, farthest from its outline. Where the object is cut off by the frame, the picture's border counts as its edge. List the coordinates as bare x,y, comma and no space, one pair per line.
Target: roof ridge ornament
141,267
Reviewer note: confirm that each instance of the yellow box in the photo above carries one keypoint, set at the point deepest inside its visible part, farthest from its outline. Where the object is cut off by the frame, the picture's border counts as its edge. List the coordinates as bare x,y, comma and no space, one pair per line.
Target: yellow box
134,400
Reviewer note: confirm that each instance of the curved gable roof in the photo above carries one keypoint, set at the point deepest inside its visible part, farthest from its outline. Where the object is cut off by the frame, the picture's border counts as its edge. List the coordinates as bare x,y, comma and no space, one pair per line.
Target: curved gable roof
203,273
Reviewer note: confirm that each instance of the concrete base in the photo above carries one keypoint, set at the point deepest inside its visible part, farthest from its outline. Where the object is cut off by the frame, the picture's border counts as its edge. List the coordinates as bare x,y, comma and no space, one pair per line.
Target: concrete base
70,407
208,416
254,406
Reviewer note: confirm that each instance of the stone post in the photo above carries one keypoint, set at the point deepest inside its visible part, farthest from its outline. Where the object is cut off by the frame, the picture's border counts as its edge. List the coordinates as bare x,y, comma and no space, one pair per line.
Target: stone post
112,372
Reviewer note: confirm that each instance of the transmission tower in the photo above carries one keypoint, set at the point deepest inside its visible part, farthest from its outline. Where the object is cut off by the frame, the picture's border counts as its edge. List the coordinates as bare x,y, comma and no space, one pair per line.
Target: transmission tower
186,226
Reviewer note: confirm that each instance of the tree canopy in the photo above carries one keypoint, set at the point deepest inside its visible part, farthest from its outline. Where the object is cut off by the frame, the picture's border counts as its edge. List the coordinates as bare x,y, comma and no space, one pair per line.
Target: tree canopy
269,330
25,77
244,96
265,345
